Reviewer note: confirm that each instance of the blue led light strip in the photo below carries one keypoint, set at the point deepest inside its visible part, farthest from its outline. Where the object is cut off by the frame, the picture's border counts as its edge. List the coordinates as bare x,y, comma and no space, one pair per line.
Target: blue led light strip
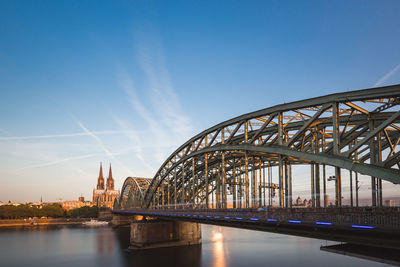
323,223
294,221
272,220
254,219
362,226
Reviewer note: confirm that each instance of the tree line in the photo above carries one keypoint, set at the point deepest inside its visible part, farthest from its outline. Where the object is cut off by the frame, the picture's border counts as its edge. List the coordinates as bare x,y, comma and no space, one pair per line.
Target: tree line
53,210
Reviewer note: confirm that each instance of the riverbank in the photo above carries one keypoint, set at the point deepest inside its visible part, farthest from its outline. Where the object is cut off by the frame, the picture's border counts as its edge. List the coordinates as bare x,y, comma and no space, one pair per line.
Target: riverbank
41,221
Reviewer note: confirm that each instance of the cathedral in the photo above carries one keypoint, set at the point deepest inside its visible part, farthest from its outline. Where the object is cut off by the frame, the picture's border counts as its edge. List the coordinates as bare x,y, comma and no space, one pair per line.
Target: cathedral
104,196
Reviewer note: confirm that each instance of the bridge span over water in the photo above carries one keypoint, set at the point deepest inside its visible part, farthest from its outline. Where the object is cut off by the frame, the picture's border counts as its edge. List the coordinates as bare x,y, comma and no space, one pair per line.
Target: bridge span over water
245,171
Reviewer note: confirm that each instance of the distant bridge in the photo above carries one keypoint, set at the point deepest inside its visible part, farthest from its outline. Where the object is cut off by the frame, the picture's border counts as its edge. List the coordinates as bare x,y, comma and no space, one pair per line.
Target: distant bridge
227,170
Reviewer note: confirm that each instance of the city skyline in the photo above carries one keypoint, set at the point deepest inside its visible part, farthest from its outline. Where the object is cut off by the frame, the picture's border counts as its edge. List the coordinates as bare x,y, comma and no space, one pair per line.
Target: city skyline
128,83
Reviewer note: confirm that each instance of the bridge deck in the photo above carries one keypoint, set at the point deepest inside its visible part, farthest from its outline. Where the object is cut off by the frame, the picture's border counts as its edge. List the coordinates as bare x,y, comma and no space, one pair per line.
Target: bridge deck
373,226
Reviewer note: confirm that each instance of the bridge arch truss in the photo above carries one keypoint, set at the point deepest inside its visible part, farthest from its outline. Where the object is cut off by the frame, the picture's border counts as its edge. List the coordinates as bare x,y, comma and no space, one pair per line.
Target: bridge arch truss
358,131
132,193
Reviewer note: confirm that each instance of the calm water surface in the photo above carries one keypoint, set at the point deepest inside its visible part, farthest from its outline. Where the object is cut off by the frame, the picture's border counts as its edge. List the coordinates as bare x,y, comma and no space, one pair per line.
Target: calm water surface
105,246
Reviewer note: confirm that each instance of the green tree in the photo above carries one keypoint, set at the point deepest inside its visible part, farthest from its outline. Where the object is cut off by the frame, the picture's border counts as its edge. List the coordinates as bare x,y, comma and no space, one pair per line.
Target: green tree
85,212
24,211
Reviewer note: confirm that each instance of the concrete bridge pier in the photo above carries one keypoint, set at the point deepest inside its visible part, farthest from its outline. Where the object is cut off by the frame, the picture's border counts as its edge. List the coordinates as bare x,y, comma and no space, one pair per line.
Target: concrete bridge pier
160,233
123,220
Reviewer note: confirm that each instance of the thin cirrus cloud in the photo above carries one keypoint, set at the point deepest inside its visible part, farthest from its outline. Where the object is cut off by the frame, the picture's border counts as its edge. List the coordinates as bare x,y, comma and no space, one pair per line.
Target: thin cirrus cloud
387,76
155,129
17,138
164,97
102,145
135,139
163,117
60,161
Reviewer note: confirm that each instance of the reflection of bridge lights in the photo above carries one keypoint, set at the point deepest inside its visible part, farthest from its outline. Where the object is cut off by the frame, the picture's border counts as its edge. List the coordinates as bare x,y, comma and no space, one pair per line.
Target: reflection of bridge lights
217,237
218,249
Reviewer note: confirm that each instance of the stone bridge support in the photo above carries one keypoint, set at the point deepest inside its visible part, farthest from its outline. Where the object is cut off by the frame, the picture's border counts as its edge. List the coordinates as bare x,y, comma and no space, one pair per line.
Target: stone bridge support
160,233
123,220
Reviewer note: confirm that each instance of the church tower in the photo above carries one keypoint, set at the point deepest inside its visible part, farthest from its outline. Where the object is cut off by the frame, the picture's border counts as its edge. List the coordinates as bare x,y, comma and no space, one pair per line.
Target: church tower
100,180
110,180
105,194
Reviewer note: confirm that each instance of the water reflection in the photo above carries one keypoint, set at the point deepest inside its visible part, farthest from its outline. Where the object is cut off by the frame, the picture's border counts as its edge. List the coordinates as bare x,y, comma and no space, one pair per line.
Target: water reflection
219,253
105,239
173,256
105,246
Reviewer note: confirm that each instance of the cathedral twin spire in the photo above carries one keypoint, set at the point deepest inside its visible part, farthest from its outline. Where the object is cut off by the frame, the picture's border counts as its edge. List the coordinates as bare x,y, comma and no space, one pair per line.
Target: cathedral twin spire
110,180
100,180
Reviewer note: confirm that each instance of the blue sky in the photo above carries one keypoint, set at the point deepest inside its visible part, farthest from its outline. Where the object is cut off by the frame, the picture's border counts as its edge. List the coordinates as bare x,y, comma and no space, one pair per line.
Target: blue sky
127,82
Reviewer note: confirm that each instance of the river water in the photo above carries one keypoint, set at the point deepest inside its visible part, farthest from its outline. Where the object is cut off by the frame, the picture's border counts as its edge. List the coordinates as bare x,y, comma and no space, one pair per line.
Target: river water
105,246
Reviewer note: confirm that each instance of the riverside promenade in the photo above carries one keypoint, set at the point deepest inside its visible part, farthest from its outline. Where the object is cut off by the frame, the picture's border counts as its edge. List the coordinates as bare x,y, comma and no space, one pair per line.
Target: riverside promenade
40,221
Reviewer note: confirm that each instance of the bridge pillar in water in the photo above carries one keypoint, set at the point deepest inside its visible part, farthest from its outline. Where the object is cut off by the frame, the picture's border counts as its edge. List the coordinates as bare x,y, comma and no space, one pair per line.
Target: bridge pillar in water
157,233
121,220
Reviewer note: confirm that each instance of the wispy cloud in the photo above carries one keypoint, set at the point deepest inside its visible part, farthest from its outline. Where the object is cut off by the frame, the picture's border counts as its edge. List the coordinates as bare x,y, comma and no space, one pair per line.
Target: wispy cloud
163,113
157,131
387,76
16,138
127,85
61,161
164,97
102,145
17,157
135,139
58,161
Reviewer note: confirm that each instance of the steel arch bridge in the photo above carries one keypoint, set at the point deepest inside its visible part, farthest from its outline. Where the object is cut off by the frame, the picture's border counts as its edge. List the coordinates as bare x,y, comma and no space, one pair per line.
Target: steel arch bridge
132,193
358,131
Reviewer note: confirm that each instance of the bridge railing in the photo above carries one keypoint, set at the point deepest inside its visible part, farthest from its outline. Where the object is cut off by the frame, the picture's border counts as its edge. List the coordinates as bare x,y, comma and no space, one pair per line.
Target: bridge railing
387,217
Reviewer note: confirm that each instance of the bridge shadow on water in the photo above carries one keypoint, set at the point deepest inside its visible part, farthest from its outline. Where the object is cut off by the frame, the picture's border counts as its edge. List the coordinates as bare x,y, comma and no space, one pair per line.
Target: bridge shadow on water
173,256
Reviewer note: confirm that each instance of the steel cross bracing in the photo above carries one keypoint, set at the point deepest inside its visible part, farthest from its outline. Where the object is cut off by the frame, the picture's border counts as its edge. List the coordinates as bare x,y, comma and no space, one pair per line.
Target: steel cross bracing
358,131
132,193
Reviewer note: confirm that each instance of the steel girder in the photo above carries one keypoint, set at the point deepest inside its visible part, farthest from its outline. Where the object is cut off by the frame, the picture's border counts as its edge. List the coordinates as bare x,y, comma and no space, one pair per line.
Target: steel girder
132,193
336,130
